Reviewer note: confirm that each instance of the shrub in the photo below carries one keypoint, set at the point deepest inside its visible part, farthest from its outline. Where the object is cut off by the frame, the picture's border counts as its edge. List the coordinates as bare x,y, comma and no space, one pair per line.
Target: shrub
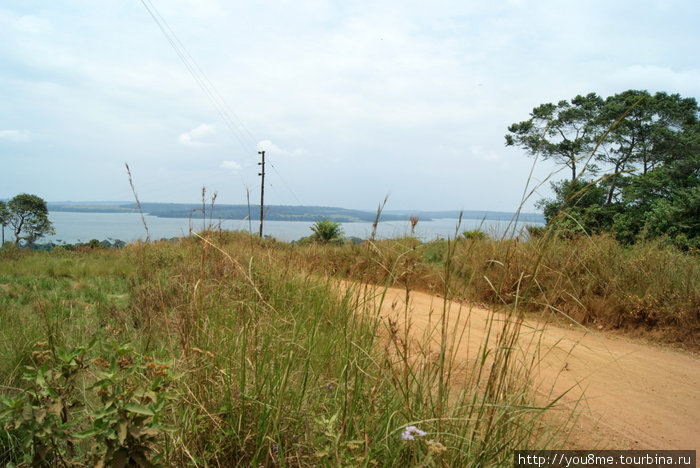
327,231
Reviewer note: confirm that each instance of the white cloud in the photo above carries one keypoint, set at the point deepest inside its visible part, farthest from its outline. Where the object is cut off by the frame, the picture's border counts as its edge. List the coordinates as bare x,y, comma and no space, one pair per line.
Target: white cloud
33,25
231,165
484,154
14,135
656,78
195,136
269,147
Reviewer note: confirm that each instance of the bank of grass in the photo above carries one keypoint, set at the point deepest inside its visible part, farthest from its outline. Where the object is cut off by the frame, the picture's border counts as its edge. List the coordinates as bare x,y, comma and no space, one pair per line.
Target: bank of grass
649,290
226,350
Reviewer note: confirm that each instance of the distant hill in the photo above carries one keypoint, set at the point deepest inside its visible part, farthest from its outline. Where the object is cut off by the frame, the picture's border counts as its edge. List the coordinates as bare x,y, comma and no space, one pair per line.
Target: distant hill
278,212
185,210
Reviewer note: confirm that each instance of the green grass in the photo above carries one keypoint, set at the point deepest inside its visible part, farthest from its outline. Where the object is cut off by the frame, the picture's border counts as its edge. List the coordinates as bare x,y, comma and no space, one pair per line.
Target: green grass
649,289
68,296
267,361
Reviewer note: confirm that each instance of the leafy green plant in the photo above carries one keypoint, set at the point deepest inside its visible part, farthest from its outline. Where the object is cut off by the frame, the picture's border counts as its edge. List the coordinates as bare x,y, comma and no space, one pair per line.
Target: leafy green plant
327,231
40,418
133,393
55,422
474,234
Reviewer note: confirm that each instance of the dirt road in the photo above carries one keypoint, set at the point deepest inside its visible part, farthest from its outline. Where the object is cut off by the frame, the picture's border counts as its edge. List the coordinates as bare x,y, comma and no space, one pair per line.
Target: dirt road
635,396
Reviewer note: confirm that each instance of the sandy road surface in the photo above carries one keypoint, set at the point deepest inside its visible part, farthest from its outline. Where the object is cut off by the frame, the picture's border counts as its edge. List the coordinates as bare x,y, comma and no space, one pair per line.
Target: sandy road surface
636,396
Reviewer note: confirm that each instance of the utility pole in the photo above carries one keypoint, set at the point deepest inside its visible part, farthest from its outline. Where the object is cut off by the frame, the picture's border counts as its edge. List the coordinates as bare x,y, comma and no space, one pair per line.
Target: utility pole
262,189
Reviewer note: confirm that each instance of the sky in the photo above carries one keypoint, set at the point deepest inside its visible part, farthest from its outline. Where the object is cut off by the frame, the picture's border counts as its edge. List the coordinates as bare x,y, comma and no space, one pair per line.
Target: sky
351,100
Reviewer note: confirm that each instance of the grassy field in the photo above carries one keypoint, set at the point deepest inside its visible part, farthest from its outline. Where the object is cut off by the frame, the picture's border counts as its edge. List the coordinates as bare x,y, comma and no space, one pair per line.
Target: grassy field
227,350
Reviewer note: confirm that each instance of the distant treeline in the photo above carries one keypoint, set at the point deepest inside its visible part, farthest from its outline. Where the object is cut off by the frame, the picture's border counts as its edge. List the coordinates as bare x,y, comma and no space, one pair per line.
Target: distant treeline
90,245
280,212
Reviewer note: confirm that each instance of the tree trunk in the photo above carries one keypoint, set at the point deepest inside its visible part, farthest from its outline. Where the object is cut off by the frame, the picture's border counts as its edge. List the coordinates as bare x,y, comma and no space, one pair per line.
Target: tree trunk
612,189
612,183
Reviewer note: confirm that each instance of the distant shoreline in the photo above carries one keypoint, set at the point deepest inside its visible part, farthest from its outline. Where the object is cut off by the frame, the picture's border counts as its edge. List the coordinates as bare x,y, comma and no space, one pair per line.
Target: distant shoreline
281,212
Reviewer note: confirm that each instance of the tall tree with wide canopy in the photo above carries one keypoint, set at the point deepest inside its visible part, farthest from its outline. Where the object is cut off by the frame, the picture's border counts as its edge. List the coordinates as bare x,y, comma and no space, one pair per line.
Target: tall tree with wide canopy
648,150
28,217
565,132
650,133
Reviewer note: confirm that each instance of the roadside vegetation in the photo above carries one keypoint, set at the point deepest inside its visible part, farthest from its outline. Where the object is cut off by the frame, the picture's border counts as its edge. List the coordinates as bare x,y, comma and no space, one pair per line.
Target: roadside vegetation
650,289
223,349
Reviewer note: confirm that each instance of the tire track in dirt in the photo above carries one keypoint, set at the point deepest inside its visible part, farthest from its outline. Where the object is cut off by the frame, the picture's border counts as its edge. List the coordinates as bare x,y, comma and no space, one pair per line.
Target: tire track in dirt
631,395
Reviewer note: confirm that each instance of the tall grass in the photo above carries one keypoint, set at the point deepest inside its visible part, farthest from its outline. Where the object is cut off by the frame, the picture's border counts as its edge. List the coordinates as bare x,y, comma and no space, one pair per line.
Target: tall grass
648,289
274,365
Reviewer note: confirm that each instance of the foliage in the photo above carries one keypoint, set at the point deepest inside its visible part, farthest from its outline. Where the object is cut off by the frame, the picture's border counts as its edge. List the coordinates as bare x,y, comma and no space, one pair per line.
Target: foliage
4,213
266,363
576,207
228,350
565,132
475,234
588,277
54,422
327,231
93,244
647,148
4,218
39,418
134,393
28,217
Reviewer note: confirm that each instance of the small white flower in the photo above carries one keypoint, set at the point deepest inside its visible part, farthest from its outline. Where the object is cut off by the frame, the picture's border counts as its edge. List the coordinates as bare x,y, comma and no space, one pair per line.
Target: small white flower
410,431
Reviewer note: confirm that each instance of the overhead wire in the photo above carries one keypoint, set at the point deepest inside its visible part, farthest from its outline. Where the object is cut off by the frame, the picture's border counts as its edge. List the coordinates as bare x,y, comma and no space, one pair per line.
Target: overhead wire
227,114
231,117
190,64
286,185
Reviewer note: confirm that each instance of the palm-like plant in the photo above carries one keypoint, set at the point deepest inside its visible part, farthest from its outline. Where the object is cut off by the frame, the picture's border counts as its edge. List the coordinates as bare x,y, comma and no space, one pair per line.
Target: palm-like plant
326,231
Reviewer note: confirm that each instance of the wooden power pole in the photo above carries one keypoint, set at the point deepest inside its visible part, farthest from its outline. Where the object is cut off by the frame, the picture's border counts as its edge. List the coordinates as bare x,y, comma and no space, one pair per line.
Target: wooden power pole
262,189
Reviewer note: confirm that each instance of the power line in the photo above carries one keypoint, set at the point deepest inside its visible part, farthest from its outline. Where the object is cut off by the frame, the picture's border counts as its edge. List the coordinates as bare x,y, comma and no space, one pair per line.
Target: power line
285,183
200,78
210,86
235,123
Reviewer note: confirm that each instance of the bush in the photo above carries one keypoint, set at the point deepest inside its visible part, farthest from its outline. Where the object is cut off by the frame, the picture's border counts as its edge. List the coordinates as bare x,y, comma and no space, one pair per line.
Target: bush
474,235
327,231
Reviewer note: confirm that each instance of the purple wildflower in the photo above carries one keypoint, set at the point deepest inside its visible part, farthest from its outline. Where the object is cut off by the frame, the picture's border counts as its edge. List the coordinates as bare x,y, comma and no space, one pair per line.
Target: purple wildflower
412,431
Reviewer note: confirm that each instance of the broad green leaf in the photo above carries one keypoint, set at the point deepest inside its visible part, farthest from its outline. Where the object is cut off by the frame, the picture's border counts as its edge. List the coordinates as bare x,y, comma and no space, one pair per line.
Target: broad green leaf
102,383
139,409
121,430
86,434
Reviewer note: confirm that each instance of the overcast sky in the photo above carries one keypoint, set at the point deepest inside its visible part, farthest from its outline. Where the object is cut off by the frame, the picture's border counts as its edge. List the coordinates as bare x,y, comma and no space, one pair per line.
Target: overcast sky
352,100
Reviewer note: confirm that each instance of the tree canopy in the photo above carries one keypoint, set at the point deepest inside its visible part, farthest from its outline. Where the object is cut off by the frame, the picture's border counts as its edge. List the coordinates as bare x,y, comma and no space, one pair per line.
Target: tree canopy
4,216
28,217
565,132
638,162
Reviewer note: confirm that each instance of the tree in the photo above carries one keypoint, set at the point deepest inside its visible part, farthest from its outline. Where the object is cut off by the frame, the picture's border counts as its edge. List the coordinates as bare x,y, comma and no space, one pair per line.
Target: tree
28,217
326,231
647,151
651,132
582,204
4,215
566,132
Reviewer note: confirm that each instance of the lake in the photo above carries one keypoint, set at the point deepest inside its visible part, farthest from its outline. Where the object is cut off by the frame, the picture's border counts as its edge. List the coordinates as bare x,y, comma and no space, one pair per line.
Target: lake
82,227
